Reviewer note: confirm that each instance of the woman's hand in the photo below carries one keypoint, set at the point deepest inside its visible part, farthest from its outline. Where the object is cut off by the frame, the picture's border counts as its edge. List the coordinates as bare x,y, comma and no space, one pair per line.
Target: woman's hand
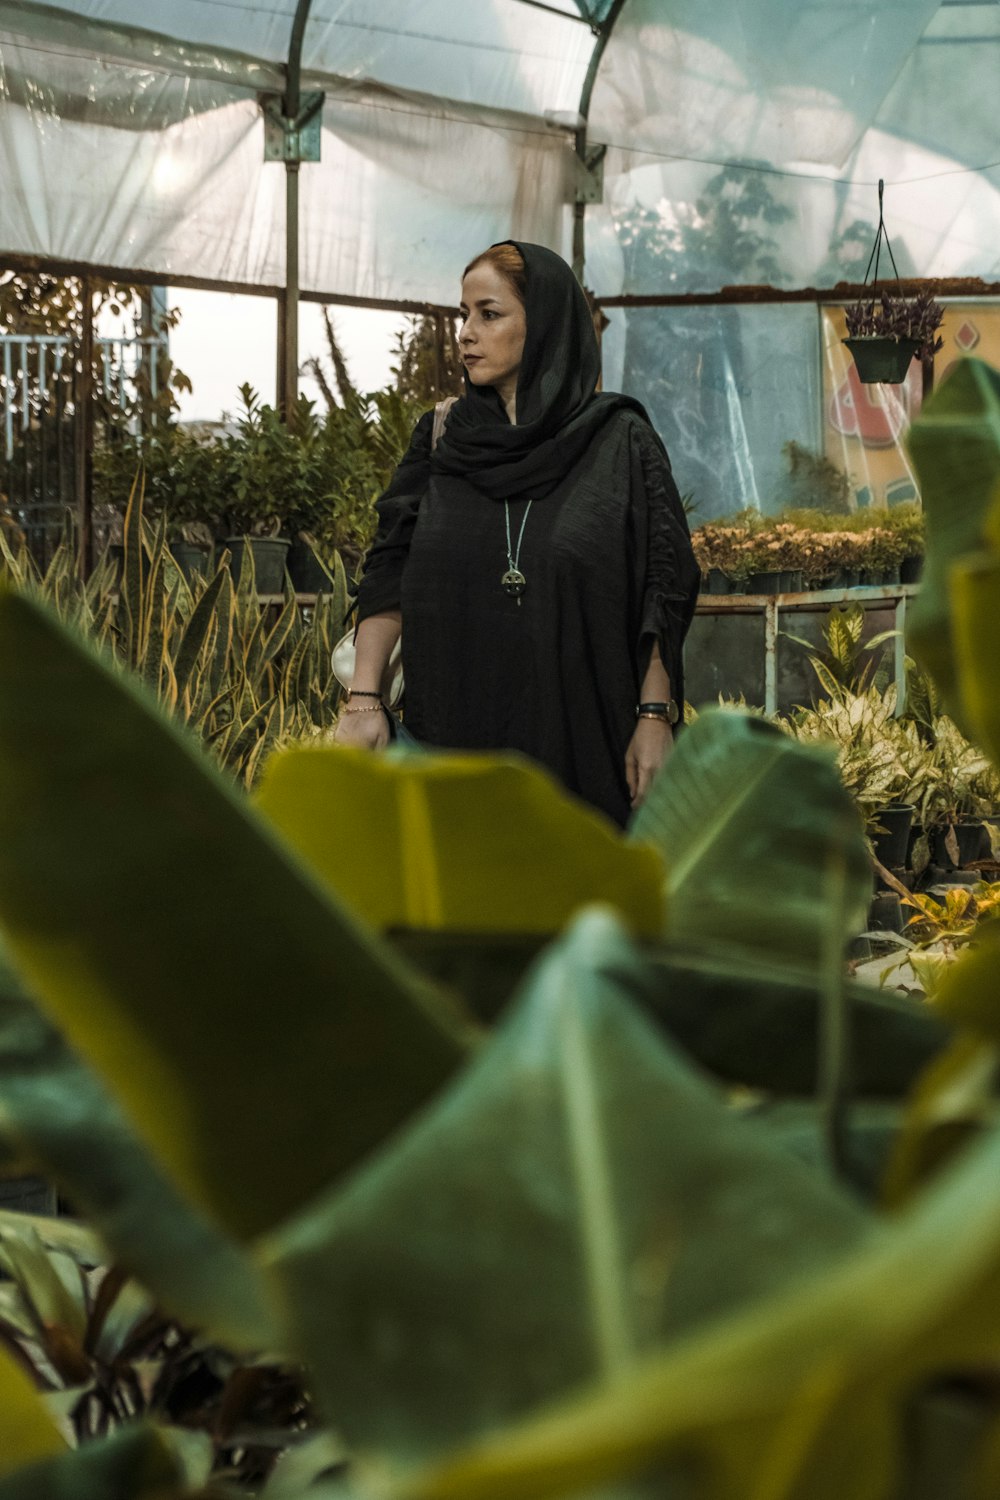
366,730
647,750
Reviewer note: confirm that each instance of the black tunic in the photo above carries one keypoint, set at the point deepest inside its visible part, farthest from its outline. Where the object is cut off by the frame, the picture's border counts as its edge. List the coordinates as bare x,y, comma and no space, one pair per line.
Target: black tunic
607,558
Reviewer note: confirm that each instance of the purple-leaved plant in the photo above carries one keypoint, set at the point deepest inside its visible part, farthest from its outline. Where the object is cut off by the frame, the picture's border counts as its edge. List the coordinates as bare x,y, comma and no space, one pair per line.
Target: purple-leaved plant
898,318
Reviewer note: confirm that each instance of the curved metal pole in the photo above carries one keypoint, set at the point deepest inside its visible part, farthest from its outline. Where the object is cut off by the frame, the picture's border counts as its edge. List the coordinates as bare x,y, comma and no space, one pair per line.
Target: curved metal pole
606,27
288,305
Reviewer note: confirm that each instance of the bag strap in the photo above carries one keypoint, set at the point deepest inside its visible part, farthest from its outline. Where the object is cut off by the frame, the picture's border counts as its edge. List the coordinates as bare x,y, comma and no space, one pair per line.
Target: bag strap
441,411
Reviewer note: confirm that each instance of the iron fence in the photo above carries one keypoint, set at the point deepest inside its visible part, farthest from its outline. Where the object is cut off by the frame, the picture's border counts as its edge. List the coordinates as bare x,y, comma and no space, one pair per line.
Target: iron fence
40,385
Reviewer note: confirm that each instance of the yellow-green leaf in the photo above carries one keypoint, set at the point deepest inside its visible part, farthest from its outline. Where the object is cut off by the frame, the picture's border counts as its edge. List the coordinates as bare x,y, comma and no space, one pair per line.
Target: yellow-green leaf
27,1432
455,842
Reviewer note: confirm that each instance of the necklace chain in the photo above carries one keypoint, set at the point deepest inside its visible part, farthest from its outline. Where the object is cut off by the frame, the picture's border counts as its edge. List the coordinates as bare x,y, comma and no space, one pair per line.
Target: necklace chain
514,558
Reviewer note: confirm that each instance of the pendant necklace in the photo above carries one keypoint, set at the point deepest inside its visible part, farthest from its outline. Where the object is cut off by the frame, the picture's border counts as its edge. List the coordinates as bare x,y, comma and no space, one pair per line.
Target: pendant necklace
513,581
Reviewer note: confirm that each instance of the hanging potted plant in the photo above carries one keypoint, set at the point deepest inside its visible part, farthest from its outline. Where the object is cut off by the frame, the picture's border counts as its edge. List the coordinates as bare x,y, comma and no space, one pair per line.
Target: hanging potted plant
885,332
885,335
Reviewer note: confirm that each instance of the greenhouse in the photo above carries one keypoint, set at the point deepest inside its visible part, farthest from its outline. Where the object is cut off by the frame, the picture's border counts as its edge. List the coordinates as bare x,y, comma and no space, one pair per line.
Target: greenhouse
483,1034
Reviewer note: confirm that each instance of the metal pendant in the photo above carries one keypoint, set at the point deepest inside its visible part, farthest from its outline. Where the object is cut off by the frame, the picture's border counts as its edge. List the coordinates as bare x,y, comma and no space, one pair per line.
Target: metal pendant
513,583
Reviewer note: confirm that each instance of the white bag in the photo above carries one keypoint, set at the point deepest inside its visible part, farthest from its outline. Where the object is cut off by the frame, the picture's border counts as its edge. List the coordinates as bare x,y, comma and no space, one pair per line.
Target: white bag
343,652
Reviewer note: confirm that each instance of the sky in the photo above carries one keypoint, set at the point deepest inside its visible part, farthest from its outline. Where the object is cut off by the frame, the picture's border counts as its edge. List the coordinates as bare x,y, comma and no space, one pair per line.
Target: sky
223,340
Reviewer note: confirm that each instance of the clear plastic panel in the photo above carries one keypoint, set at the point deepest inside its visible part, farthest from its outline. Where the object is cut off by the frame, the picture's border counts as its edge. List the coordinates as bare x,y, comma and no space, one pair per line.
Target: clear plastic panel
726,388
682,227
768,80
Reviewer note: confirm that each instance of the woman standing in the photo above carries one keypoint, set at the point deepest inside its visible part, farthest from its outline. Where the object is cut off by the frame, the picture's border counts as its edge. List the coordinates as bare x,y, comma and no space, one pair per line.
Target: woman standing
538,560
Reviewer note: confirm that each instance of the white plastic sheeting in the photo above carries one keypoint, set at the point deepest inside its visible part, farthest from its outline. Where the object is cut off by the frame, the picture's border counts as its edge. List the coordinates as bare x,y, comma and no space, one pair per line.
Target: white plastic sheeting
141,151
744,140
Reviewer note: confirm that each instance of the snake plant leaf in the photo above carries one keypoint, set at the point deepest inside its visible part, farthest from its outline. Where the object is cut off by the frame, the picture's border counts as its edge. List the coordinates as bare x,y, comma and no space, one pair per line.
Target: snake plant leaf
466,843
27,1432
133,1464
258,1038
807,1393
955,444
577,1195
750,825
59,1116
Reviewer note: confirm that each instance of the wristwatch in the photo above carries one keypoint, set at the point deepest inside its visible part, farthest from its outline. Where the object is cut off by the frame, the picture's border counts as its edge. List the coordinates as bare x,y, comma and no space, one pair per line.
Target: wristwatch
670,711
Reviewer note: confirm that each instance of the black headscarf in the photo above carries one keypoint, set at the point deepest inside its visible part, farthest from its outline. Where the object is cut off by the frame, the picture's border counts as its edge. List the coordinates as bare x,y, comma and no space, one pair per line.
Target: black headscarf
558,408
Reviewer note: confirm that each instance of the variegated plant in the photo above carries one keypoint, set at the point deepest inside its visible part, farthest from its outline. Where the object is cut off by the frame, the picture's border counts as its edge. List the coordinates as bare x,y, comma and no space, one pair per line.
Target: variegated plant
240,674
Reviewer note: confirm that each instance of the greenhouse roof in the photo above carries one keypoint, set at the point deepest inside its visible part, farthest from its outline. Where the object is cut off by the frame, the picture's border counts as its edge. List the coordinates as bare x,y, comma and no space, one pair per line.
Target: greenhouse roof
743,141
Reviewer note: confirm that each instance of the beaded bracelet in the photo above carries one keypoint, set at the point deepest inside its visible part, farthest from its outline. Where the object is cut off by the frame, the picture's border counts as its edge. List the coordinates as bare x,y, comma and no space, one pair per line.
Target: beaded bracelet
360,693
375,708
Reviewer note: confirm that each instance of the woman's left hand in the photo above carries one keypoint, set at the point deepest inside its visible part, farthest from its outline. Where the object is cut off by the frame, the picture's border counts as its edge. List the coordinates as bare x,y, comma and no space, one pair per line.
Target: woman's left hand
648,748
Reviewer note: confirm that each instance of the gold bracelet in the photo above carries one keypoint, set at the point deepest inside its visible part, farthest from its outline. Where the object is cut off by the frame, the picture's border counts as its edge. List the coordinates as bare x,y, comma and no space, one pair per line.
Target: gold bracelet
376,708
662,718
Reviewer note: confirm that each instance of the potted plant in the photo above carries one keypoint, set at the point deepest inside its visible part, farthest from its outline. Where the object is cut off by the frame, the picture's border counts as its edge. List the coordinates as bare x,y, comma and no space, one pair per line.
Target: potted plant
267,475
887,332
962,791
182,480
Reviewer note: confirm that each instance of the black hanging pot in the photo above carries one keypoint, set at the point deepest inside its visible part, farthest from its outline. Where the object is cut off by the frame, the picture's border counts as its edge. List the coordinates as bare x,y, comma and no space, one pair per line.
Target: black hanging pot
882,361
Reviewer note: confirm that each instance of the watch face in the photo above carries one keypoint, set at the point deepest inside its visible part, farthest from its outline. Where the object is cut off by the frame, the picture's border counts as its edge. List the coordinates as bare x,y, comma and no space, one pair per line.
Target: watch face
673,711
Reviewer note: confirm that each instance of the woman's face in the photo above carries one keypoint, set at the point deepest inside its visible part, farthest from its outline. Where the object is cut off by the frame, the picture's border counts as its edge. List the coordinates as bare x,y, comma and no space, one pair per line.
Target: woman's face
493,328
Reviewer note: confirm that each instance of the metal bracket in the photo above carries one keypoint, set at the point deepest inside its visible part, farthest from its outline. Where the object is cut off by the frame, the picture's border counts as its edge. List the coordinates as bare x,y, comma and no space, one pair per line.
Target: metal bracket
589,175
292,140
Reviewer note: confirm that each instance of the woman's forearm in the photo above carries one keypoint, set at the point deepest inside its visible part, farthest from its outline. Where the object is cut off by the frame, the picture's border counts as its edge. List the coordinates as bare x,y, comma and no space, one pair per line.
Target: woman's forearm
656,683
373,645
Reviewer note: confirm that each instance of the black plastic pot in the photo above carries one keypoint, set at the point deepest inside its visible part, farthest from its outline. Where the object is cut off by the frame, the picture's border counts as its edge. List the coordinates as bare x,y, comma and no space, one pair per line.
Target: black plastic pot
891,846
788,582
886,912
269,554
305,570
882,361
191,559
973,843
715,581
911,568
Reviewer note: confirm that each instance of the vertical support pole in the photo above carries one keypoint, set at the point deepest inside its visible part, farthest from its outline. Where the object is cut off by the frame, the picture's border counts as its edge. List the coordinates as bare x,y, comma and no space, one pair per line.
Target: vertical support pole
279,374
289,388
579,212
439,360
927,378
83,431
771,656
899,655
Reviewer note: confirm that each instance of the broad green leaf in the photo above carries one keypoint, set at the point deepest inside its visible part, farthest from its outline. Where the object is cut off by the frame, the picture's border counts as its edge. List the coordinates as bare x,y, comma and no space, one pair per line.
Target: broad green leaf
953,1100
27,1432
259,1039
56,1113
469,843
750,823
804,1394
974,591
574,1197
135,1463
955,443
747,1019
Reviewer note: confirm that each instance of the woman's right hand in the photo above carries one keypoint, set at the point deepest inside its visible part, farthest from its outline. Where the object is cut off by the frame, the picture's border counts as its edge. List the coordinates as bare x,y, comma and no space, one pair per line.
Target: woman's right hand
366,730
